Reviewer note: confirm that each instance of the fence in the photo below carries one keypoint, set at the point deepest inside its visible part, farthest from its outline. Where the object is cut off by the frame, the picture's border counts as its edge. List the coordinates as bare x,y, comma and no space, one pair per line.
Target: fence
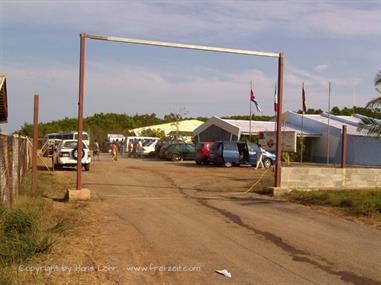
15,161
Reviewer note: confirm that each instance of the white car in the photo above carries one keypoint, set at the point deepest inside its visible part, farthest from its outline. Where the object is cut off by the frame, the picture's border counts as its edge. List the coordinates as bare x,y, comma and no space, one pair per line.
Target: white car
149,147
65,154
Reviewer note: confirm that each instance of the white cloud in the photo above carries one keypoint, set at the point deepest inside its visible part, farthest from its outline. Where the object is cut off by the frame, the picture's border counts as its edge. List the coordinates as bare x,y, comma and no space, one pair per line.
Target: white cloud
321,67
227,20
205,22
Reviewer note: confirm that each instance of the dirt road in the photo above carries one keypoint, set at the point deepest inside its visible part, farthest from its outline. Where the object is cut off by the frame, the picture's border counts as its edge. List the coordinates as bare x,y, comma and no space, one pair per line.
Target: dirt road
176,223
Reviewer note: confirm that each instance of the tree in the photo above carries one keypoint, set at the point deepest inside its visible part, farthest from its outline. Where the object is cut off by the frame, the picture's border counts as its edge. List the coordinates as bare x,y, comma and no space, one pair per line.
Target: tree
376,101
373,126
153,133
312,111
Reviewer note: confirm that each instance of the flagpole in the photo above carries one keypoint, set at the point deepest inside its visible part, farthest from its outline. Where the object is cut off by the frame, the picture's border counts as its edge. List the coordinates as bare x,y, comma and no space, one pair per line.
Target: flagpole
275,104
251,88
301,145
329,117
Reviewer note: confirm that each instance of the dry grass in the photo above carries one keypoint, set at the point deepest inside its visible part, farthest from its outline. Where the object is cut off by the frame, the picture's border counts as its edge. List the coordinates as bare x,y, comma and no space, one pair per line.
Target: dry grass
48,234
362,206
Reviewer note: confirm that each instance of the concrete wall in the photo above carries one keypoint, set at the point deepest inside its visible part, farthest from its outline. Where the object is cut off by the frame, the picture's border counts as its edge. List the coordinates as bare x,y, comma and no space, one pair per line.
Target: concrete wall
309,178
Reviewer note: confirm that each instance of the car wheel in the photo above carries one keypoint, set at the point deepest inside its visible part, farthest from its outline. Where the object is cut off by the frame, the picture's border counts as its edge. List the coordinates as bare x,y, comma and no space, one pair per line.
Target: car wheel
198,162
228,164
176,157
267,162
75,153
87,167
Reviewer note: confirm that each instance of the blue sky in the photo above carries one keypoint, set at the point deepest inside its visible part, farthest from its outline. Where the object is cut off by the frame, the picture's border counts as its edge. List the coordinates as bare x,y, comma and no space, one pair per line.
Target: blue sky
338,41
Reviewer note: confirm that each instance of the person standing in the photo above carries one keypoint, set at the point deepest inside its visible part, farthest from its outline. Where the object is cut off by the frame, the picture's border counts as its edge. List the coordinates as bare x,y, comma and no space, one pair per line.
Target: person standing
129,147
96,150
114,152
140,148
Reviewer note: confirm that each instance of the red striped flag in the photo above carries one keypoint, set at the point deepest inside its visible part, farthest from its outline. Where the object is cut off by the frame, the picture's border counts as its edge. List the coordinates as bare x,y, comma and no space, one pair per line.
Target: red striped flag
304,100
275,100
254,100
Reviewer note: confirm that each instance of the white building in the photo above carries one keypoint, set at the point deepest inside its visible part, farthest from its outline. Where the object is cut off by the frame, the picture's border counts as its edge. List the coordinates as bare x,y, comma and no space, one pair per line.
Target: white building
320,140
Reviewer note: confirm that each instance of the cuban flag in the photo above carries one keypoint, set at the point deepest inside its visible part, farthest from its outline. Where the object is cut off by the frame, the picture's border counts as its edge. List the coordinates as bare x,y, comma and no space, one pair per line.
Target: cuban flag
275,100
254,100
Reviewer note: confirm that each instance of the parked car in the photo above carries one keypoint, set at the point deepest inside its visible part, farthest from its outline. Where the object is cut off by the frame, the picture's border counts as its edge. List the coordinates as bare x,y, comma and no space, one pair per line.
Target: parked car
66,154
181,151
162,146
202,152
236,153
106,147
149,147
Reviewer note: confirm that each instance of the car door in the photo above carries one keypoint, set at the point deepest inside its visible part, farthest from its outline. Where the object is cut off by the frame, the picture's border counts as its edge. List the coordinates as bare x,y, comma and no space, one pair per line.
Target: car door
189,152
253,152
230,152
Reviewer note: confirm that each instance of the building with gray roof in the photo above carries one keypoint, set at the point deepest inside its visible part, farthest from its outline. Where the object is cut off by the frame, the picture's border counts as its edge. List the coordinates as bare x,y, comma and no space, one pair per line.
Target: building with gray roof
321,135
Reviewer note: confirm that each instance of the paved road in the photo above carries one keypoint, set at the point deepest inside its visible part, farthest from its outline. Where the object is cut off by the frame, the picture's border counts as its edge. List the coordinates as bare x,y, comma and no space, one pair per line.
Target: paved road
196,220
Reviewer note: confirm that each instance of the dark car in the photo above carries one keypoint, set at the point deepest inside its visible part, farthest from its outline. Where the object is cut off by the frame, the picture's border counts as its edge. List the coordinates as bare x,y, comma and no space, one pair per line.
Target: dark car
181,151
106,147
202,152
236,153
162,146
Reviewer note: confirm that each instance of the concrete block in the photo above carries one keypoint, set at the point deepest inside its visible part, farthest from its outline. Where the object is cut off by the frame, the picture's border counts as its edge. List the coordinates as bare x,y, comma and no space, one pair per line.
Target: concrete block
279,191
78,195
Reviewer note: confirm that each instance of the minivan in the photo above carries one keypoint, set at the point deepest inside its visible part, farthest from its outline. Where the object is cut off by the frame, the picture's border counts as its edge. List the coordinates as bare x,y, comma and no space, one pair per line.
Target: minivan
236,153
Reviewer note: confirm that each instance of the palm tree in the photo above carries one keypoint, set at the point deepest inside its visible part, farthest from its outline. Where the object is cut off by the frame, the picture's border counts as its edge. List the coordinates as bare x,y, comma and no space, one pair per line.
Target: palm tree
373,126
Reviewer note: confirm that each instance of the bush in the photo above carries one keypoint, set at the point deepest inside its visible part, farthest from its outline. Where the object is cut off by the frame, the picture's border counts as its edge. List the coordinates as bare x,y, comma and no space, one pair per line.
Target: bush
23,234
367,203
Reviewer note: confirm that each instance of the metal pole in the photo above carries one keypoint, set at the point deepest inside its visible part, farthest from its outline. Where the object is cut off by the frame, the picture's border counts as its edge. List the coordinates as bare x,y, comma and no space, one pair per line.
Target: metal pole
344,147
251,88
329,117
182,46
34,146
302,138
275,105
80,109
279,123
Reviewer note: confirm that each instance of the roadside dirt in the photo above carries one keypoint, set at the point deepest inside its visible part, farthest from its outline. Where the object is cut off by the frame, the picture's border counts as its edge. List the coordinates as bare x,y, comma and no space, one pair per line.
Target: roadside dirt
156,222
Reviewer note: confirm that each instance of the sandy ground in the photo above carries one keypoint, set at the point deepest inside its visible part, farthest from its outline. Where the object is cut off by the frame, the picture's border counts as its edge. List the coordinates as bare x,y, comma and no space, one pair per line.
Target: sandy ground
157,222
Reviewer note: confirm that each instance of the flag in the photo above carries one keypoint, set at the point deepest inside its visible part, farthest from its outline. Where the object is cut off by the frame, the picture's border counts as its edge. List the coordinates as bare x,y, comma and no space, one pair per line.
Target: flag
254,100
275,101
304,100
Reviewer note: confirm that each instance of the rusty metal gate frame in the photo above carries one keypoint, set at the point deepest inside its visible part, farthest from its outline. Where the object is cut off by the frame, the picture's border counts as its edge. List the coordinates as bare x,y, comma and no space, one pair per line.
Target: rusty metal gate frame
280,57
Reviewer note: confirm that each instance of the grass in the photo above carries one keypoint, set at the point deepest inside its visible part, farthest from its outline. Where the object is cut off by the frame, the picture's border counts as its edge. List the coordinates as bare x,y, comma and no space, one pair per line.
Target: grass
30,229
359,203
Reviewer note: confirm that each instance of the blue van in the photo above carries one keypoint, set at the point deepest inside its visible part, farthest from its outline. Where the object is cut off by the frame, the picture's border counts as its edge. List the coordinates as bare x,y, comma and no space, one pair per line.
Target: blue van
236,153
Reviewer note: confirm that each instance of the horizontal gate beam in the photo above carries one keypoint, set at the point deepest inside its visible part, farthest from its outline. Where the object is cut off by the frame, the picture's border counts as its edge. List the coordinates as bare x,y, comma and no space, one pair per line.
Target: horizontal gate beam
183,46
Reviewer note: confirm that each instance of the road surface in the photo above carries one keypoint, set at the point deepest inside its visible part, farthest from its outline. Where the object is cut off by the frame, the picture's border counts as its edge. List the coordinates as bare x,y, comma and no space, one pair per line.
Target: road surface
177,223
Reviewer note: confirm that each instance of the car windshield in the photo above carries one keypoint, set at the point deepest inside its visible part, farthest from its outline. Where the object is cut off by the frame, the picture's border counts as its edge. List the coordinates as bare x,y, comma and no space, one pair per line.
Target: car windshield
230,146
252,147
84,136
190,147
72,144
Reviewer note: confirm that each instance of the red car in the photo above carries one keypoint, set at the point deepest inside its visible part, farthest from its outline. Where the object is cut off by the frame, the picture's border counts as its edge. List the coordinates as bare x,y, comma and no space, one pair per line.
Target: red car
202,151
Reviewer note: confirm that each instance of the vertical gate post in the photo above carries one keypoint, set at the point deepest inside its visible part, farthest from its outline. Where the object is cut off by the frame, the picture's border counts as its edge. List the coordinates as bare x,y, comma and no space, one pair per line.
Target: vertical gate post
35,142
80,109
279,122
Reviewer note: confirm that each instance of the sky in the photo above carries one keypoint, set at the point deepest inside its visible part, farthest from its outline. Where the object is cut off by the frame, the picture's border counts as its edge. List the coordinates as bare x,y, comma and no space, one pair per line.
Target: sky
337,41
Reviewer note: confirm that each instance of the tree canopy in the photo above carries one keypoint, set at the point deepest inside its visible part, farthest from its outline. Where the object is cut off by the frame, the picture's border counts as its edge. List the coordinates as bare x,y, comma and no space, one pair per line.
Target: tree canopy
370,124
